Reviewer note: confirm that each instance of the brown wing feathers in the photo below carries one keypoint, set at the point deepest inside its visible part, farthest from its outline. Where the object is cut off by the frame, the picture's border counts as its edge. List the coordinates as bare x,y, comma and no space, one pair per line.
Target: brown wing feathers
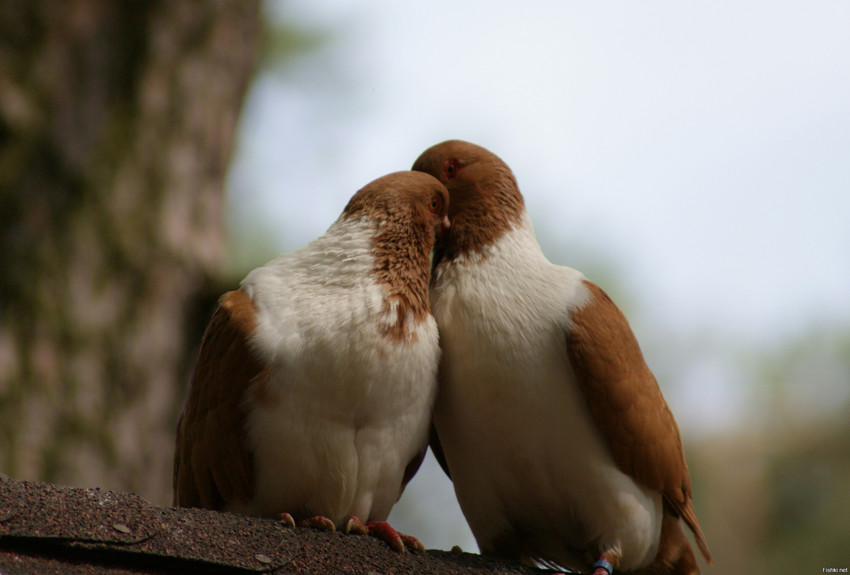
627,405
212,463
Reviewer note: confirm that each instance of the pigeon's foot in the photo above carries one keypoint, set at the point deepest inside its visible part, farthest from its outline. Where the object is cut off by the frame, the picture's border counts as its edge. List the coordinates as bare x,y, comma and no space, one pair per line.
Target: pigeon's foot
354,526
397,541
318,522
379,529
286,519
603,566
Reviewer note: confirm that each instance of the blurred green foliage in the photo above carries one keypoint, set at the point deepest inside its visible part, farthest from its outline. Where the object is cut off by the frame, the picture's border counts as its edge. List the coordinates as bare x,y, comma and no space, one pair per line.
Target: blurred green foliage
808,525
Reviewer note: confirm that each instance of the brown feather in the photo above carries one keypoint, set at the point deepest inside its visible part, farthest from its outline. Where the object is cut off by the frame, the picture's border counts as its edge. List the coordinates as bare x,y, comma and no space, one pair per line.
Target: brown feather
675,556
626,404
485,199
437,450
402,243
412,467
212,462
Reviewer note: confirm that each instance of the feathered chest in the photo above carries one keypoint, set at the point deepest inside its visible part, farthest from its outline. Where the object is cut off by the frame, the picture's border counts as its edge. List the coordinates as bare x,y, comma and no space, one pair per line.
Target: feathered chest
504,311
503,298
327,328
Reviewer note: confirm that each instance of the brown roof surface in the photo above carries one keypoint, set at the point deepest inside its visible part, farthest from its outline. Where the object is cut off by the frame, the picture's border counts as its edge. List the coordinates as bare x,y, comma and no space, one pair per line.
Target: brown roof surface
46,528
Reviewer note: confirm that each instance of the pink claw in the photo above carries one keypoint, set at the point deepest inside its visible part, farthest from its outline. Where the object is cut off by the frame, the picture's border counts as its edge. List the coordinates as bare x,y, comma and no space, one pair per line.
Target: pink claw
397,541
355,526
318,522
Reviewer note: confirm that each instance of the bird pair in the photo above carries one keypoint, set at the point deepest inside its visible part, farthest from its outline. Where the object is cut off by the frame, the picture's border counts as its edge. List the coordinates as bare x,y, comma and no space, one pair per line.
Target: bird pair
321,380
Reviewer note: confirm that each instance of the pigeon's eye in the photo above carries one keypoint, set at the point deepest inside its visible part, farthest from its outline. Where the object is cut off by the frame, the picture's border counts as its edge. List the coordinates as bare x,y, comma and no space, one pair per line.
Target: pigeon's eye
451,168
437,204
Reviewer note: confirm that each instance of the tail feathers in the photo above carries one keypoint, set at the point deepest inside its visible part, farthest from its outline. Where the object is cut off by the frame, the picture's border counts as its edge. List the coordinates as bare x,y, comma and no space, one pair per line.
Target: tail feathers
690,518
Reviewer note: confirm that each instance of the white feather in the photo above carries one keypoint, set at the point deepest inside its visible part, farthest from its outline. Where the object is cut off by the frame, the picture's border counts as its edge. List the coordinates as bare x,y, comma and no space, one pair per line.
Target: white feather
520,443
352,406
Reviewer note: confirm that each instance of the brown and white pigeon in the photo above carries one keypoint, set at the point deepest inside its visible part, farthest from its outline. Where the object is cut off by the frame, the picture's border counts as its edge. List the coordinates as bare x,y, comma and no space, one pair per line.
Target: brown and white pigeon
311,399
551,426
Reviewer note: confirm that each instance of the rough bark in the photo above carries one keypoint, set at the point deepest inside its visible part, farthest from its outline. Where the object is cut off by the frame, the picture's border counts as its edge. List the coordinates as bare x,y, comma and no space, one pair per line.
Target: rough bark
117,120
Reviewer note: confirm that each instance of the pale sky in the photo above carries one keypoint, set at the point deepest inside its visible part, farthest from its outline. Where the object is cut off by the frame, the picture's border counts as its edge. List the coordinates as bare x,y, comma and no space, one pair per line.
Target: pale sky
701,152
704,150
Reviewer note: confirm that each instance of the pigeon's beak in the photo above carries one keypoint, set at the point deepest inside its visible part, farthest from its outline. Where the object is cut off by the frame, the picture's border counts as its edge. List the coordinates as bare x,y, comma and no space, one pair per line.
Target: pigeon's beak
445,223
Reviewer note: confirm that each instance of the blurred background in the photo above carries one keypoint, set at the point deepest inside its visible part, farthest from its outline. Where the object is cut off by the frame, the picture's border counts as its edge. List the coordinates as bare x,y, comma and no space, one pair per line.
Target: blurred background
692,160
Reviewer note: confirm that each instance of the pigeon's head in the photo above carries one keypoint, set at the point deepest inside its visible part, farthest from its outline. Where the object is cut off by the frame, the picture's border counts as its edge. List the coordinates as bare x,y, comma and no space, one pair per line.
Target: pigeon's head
486,201
403,199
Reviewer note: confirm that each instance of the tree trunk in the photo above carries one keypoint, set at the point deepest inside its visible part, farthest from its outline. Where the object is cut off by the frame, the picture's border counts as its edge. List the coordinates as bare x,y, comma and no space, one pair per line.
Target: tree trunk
117,121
